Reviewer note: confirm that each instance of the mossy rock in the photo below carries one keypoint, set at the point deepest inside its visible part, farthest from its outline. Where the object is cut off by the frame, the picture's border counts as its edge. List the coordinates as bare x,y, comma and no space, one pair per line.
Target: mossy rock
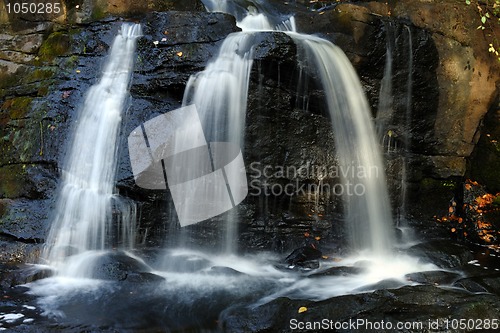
17,107
485,161
13,182
57,44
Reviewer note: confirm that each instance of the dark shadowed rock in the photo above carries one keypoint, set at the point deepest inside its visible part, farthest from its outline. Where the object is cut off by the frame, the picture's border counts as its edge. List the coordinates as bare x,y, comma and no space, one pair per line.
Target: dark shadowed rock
118,266
302,256
442,253
418,304
434,277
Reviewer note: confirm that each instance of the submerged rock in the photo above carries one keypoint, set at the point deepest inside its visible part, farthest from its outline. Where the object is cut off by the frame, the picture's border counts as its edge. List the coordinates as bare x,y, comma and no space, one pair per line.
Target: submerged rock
442,253
118,266
434,277
305,256
420,304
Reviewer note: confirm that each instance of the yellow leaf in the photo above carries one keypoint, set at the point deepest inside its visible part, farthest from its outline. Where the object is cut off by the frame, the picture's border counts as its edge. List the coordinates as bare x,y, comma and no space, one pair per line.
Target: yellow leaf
302,309
179,53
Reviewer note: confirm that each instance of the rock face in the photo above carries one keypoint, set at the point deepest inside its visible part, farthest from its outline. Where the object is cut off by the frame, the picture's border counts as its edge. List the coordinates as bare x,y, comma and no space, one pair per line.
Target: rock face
454,78
42,90
434,117
423,304
439,107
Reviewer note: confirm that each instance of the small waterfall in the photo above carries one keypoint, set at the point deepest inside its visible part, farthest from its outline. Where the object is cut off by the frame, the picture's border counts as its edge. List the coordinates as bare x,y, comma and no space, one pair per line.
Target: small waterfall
385,105
366,197
220,96
220,91
89,215
368,210
408,117
397,144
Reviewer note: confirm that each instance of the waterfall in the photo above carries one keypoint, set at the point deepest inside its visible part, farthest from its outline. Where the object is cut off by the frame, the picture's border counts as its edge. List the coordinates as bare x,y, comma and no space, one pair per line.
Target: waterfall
387,112
220,91
385,104
89,216
408,116
368,212
367,208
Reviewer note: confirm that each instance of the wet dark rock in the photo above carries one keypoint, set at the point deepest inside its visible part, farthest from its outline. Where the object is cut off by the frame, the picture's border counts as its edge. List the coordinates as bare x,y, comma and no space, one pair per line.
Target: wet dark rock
487,281
470,285
442,253
118,266
303,256
176,45
485,162
26,220
13,275
382,285
228,271
143,277
434,277
421,303
338,271
17,251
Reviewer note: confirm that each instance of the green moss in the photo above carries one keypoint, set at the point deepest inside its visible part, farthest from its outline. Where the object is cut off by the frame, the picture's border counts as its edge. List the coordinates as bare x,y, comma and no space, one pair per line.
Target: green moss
57,44
71,62
4,207
8,81
13,183
98,13
436,184
18,107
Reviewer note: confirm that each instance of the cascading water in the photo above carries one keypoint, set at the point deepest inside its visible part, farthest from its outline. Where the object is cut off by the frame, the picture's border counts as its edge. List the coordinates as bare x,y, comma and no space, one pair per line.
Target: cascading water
385,107
367,206
189,286
408,116
369,214
220,91
400,147
89,214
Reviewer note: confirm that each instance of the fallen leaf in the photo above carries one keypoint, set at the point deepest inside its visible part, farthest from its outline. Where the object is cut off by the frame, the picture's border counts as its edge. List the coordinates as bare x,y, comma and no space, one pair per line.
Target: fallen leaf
179,53
302,309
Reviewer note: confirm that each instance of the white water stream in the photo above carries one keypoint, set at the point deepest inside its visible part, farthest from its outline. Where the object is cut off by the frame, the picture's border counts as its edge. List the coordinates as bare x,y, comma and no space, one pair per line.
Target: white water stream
89,214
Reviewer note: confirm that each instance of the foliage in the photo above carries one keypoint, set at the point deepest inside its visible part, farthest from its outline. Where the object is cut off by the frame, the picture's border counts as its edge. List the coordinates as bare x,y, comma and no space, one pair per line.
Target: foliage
473,219
489,15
